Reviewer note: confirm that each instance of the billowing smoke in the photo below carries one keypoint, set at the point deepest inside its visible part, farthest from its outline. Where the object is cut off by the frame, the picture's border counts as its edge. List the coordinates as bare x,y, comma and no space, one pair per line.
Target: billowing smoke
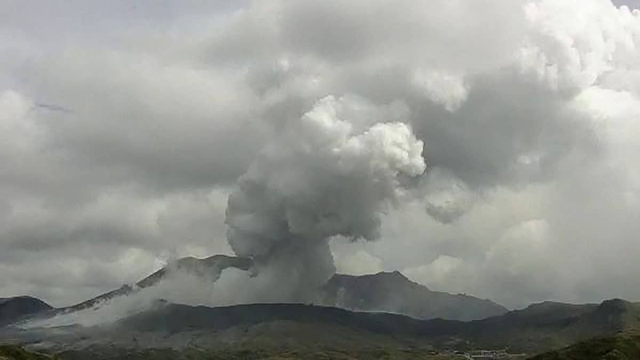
323,176
528,111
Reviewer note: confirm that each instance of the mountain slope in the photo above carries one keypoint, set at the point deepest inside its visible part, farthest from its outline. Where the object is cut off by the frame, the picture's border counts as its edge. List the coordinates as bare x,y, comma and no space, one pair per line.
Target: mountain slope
619,347
309,328
253,330
387,292
393,292
554,325
209,269
174,318
538,328
12,309
11,352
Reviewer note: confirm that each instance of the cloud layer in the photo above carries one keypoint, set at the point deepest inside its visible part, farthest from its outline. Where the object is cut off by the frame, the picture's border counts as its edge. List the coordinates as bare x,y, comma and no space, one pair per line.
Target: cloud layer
123,136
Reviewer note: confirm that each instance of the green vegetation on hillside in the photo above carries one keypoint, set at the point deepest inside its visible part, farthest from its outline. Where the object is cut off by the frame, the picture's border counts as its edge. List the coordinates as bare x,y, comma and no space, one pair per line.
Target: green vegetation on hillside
281,331
620,347
12,352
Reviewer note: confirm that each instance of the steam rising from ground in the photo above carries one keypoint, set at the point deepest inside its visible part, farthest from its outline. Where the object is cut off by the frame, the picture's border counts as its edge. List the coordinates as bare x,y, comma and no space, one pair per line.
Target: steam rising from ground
180,287
325,175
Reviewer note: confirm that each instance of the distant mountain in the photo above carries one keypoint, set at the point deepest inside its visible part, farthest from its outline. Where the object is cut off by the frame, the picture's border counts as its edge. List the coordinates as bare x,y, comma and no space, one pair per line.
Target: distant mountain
388,292
12,309
393,292
552,325
359,314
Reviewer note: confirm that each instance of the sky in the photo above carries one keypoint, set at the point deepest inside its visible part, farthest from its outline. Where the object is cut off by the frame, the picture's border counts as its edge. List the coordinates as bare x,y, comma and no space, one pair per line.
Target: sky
634,4
125,127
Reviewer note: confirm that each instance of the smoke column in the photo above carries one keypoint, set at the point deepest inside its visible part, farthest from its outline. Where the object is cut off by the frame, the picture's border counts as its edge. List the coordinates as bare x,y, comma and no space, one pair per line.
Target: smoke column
322,176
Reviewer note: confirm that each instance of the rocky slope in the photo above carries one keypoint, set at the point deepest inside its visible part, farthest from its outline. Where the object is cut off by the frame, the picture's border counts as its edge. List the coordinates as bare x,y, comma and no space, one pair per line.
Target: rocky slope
393,292
386,292
209,269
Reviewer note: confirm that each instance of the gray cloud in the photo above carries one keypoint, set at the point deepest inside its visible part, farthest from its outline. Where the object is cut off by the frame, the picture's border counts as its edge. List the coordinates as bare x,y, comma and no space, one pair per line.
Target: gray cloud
527,110
323,177
633,4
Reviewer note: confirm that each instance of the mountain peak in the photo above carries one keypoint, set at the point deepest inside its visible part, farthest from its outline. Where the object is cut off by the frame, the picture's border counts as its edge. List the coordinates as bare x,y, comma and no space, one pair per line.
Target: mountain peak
387,291
14,308
210,267
379,276
393,275
615,306
395,293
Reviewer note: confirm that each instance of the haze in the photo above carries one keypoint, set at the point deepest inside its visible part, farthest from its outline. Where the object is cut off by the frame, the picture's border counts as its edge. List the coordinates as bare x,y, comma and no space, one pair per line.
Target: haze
487,148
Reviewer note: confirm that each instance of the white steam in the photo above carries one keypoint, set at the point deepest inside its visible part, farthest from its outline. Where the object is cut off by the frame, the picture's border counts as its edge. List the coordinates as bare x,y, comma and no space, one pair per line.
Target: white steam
323,176
528,110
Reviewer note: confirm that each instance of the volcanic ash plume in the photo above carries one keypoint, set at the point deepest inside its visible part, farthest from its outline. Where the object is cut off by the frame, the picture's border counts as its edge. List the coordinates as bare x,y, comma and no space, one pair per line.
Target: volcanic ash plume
322,176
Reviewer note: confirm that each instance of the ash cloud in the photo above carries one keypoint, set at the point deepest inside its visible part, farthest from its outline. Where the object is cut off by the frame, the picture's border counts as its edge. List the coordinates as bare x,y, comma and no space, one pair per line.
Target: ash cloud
323,176
527,111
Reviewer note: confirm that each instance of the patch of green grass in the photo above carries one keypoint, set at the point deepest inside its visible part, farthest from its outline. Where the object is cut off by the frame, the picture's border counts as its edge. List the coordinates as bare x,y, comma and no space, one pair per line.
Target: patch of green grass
620,347
13,352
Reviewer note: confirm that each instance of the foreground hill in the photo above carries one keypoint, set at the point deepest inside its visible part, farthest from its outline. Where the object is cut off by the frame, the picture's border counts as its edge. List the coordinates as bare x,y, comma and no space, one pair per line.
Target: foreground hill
552,325
619,347
111,353
12,352
538,328
12,309
307,329
260,331
386,292
256,354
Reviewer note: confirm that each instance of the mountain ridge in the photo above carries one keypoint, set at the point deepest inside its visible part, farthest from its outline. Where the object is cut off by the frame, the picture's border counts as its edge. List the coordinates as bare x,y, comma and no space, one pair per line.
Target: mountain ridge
283,326
517,332
209,268
415,300
15,308
350,315
394,292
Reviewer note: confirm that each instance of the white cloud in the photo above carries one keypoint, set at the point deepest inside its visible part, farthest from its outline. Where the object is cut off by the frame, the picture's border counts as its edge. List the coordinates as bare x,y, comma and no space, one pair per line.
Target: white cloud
358,263
527,110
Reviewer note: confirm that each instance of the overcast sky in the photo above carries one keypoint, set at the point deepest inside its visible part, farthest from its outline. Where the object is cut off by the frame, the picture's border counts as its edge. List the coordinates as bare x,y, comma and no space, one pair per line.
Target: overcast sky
125,125
631,3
